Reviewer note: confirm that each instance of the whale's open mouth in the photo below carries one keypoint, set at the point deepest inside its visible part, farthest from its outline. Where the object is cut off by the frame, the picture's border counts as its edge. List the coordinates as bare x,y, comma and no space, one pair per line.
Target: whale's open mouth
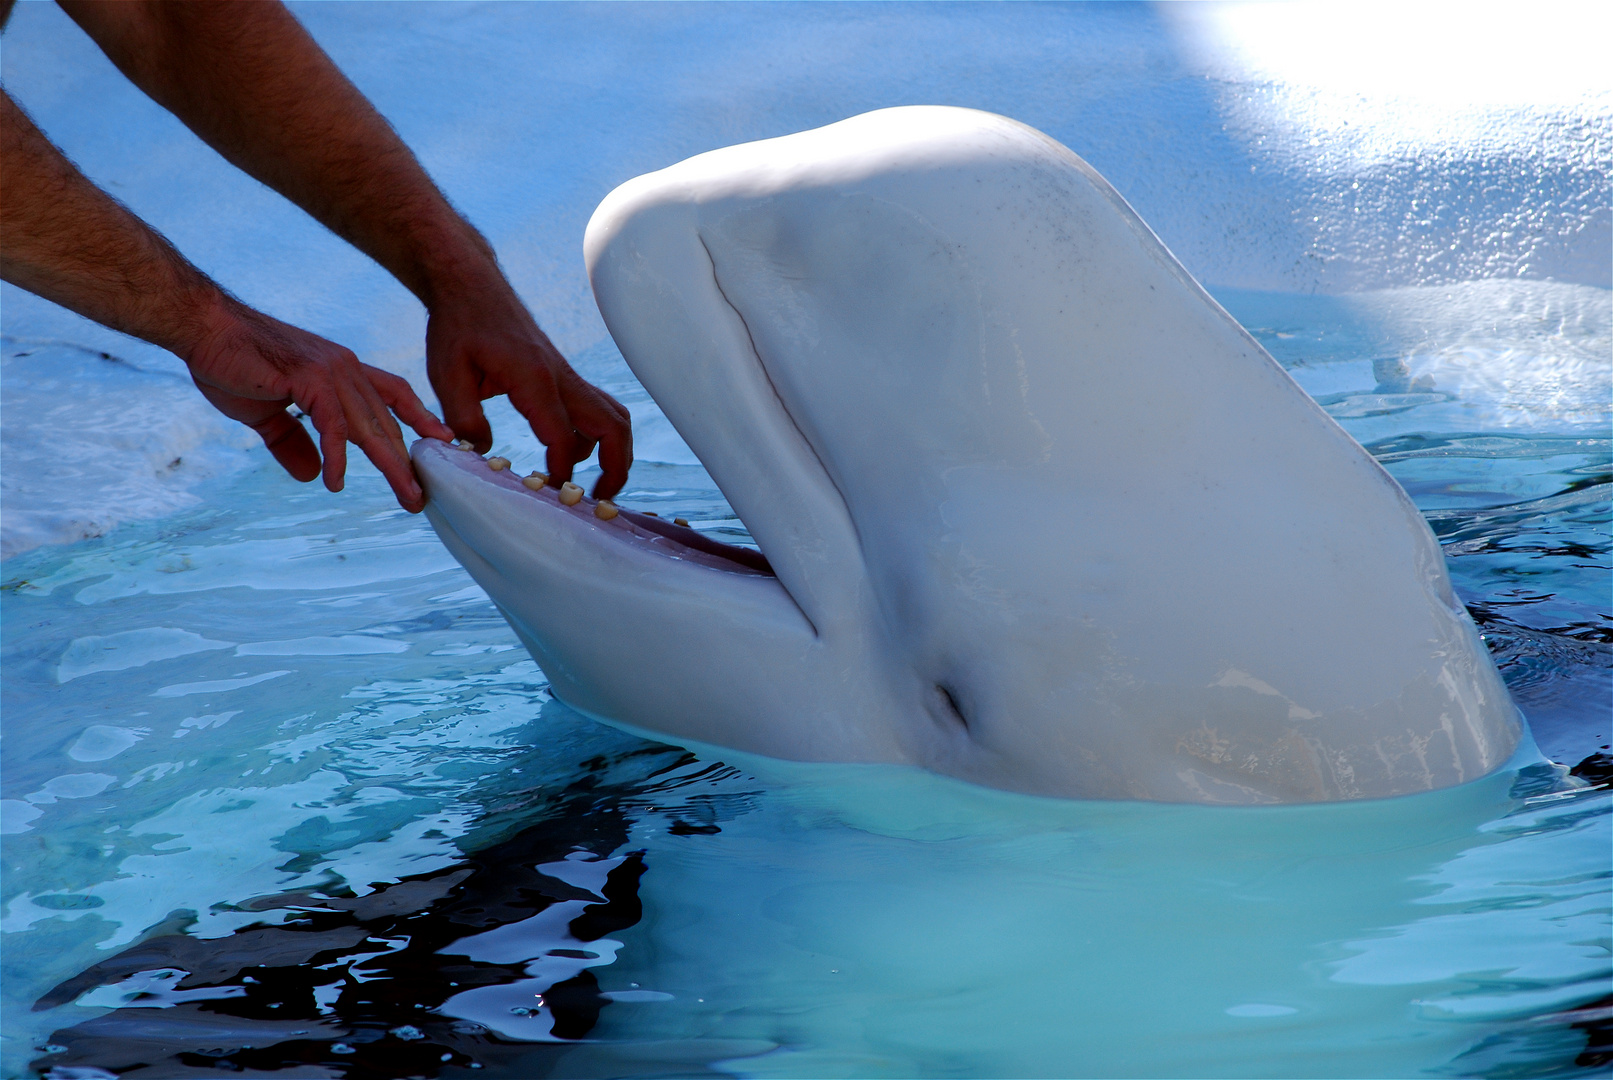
640,620
646,533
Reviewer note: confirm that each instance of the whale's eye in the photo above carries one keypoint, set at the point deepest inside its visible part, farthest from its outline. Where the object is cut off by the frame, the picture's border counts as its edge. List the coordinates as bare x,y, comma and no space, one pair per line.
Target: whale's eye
951,704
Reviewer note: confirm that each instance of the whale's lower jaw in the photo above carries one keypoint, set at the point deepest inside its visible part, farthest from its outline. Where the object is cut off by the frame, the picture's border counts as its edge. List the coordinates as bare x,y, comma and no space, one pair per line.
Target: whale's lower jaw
634,628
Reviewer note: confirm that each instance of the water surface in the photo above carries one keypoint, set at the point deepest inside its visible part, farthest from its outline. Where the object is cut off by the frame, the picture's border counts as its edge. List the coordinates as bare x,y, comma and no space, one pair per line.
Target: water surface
283,793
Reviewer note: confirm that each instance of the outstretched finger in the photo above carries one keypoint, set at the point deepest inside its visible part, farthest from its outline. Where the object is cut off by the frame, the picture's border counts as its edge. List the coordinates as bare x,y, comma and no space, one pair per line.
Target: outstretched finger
372,427
615,459
326,413
601,418
399,396
538,401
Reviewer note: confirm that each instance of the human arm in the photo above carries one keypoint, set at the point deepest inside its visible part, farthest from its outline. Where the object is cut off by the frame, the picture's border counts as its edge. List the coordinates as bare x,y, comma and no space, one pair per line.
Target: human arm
249,80
73,244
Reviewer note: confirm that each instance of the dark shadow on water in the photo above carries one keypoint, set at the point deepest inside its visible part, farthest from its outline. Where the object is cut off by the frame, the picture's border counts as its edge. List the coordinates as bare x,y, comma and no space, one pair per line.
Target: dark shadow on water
361,986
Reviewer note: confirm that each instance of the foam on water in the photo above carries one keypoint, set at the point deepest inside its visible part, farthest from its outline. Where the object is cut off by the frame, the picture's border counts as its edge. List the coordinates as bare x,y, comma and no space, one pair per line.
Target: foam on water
92,438
281,791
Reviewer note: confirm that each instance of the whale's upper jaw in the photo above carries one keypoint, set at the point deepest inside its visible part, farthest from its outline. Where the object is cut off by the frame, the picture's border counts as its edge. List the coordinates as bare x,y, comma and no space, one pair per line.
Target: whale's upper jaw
641,532
1041,515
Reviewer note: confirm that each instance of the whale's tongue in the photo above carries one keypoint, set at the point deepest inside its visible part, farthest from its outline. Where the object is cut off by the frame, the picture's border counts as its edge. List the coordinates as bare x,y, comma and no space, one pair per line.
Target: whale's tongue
698,541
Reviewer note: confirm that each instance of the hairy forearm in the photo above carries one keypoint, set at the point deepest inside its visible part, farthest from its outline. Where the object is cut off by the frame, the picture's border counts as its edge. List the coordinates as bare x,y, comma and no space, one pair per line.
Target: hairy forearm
66,240
248,79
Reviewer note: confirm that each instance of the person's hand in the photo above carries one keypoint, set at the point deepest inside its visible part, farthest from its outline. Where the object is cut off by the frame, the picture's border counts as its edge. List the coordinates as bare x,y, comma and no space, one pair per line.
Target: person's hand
251,367
485,343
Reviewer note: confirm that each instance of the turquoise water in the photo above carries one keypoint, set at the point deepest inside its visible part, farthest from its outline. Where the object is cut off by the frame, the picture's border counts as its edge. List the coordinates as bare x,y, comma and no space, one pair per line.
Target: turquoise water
284,794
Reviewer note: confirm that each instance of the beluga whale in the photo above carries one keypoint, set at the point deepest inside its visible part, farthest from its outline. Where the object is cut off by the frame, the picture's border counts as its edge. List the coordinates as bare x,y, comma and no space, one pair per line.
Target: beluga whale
1033,510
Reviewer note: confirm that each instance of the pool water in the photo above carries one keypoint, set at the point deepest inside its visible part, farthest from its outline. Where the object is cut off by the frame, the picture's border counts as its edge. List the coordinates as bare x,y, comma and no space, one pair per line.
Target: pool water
284,794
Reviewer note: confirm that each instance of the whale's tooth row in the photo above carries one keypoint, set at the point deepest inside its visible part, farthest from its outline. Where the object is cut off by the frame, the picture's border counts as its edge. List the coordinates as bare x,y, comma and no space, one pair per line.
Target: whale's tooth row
570,494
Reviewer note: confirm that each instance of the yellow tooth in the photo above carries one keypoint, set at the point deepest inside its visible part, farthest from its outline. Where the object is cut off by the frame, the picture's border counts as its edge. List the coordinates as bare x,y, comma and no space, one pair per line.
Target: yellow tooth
464,444
651,513
570,494
681,521
604,510
535,481
498,464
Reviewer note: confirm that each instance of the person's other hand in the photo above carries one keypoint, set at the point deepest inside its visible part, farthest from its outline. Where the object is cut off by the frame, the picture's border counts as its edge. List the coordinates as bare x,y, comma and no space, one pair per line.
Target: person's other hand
251,367
485,343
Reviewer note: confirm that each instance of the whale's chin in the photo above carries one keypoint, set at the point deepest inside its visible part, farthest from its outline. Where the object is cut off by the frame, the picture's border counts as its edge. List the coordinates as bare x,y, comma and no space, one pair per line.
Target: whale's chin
1033,510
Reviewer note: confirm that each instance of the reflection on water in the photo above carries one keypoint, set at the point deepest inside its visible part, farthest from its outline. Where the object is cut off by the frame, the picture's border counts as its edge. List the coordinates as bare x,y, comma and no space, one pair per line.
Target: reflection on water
652,914
283,796
484,963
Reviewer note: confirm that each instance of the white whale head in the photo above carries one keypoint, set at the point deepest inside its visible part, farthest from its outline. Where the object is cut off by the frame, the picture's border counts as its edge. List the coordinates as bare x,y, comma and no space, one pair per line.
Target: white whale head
1036,512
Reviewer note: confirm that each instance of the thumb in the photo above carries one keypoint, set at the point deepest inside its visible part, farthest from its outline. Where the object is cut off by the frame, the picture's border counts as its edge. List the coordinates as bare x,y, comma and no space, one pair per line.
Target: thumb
284,436
288,441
